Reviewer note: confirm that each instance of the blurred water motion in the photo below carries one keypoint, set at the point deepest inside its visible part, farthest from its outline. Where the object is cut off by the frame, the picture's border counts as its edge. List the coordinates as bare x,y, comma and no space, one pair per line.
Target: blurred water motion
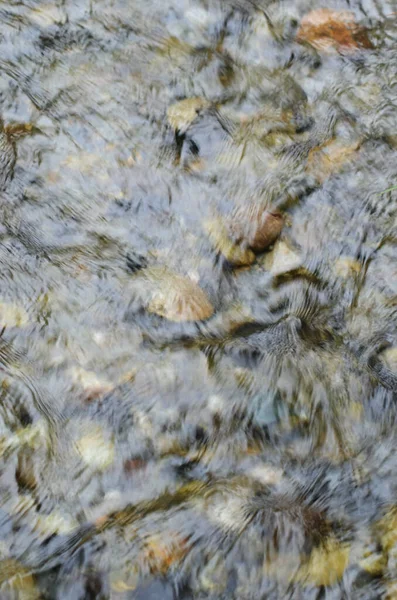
198,349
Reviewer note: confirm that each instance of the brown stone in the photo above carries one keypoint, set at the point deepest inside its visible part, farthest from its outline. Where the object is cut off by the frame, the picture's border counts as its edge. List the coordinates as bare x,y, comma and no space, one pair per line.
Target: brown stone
134,464
255,226
327,29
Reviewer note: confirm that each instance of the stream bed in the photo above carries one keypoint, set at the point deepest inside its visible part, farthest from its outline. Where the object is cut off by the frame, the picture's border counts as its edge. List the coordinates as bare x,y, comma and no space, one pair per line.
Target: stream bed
198,300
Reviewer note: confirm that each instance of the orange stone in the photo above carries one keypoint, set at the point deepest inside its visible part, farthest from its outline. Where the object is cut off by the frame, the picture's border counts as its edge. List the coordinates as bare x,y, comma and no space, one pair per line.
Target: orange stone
327,29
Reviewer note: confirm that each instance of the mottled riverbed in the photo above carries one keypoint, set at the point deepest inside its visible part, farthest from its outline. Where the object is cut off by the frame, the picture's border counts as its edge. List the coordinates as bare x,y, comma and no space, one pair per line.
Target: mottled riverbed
198,264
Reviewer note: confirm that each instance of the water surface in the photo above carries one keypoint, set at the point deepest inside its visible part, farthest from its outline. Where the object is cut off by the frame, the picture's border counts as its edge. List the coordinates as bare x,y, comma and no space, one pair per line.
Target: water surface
242,452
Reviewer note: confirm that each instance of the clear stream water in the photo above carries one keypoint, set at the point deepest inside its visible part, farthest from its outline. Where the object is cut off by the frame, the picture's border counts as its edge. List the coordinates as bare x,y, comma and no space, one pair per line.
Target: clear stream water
240,442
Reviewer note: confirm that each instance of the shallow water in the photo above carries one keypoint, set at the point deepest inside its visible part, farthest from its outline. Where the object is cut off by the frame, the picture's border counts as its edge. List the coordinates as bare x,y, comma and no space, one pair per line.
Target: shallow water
181,417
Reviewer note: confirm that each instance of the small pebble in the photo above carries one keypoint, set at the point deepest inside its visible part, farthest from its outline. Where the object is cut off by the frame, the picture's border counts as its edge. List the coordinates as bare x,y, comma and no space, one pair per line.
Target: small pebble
346,267
255,226
90,383
182,114
235,254
12,315
266,474
282,259
96,451
175,297
390,358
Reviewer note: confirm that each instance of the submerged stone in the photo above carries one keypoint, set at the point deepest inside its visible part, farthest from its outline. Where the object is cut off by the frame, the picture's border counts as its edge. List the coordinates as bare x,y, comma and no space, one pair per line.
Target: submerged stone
282,259
95,449
326,564
12,315
182,114
173,296
17,580
91,385
161,553
327,29
256,226
235,254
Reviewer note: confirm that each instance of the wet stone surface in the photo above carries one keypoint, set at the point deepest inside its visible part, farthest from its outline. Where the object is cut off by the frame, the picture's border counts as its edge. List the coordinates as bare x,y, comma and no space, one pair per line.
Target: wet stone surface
198,365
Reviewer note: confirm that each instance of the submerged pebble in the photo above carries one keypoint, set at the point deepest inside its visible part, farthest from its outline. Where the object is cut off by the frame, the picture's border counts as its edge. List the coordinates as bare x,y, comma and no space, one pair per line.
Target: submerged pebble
248,230
96,450
327,29
12,315
17,581
373,563
331,158
282,259
55,523
255,226
326,564
161,553
92,386
182,114
346,267
389,356
234,253
173,296
266,474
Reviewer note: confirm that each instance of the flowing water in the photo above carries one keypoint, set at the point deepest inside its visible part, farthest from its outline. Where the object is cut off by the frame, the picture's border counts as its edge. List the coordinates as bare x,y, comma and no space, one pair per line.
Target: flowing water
188,411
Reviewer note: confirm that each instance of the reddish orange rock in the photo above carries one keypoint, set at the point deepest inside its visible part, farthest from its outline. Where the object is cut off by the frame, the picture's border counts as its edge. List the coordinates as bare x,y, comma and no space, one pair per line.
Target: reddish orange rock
327,29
